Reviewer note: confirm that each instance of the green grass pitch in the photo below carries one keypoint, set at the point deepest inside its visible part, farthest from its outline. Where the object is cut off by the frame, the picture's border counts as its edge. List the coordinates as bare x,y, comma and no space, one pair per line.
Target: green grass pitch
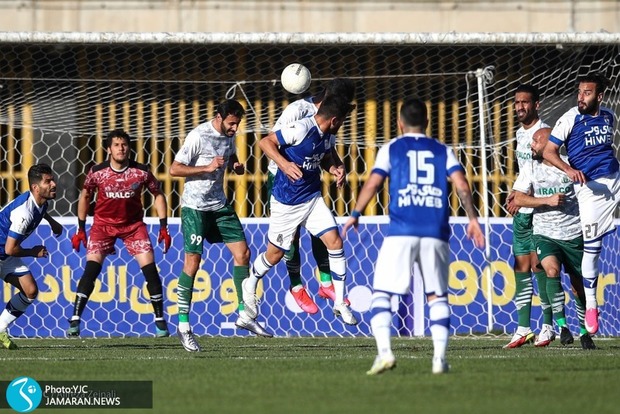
327,375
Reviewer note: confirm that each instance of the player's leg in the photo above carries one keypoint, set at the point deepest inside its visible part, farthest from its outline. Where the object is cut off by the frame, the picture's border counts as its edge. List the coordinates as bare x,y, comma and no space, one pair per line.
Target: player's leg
227,229
138,244
283,224
434,261
100,244
573,255
154,286
550,253
522,248
546,334
321,256
337,260
320,222
550,259
545,300
16,274
596,210
392,276
293,262
247,317
193,225
292,258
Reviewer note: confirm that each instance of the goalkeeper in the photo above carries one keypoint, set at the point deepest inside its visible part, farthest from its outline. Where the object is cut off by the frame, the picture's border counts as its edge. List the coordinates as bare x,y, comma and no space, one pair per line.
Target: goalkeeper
556,236
119,183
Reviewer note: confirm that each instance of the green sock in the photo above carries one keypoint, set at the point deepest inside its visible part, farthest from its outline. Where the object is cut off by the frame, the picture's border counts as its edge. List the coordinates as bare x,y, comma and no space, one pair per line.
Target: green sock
523,297
293,264
556,295
325,278
185,289
240,273
545,303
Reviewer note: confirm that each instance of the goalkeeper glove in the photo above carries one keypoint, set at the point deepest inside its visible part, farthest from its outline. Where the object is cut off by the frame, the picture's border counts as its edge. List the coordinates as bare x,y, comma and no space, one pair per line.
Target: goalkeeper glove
164,235
79,237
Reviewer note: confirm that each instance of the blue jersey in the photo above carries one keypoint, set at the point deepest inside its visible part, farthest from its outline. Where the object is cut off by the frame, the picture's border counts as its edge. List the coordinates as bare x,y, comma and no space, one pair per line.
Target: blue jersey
418,168
18,219
588,141
303,143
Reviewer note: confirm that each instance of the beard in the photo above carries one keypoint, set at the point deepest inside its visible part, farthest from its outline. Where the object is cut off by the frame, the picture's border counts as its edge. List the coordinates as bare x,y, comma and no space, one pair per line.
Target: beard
587,108
120,159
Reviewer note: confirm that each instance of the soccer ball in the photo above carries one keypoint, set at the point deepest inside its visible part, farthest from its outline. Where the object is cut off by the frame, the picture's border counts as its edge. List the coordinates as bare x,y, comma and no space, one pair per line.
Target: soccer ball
296,78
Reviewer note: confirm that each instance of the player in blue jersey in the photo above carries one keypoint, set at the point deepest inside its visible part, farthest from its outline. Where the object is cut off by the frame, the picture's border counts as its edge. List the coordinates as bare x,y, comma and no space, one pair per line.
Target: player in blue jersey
301,150
418,168
295,111
18,220
587,131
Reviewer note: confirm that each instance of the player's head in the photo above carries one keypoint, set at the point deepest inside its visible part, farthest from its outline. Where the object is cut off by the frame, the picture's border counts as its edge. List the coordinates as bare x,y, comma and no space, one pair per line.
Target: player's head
338,86
334,109
228,117
591,88
413,116
539,142
527,102
41,181
117,143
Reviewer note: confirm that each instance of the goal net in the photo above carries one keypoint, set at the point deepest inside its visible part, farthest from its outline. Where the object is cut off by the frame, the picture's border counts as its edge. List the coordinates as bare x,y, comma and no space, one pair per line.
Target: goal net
60,93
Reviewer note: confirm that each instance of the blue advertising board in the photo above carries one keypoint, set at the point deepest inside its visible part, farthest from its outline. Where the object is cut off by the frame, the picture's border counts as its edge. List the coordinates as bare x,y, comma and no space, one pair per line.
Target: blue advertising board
119,306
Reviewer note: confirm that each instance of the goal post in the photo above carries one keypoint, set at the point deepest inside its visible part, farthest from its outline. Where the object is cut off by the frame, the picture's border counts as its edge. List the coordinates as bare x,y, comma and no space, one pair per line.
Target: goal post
60,93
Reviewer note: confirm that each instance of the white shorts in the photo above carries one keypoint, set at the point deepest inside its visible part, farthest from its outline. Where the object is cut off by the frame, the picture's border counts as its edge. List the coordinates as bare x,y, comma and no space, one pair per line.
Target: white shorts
394,268
314,215
597,202
13,266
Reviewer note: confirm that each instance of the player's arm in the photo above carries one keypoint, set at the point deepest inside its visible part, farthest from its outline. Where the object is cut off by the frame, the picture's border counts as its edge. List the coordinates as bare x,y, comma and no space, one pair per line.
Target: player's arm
235,166
332,163
463,191
161,206
82,211
83,204
511,207
56,226
178,169
18,228
551,153
369,190
526,200
269,145
13,248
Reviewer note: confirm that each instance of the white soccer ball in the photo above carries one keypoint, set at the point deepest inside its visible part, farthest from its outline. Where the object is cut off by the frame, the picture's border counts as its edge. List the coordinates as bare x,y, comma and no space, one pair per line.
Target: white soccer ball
296,78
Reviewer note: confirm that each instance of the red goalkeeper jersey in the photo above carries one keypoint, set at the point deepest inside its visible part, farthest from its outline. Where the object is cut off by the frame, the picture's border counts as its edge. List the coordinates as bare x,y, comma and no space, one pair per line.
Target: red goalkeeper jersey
119,193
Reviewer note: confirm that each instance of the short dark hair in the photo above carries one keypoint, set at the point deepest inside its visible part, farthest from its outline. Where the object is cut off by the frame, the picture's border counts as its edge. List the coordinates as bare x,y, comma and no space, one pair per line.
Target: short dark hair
36,173
602,82
338,86
117,133
335,106
413,112
230,107
529,88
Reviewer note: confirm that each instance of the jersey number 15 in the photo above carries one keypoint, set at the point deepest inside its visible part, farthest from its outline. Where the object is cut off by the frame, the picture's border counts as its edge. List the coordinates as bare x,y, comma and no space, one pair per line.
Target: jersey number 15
421,171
